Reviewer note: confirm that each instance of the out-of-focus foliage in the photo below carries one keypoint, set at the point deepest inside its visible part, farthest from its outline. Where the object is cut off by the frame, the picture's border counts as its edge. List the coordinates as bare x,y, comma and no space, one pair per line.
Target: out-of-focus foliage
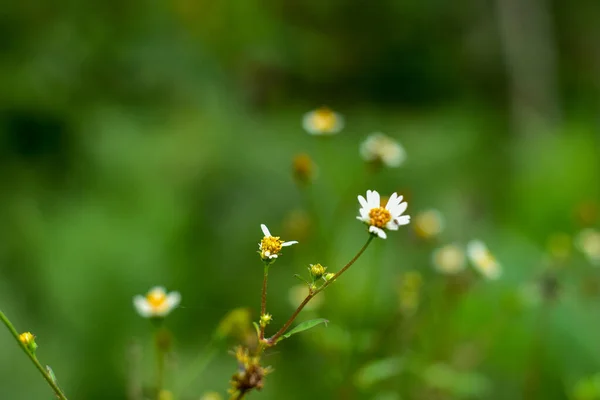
144,143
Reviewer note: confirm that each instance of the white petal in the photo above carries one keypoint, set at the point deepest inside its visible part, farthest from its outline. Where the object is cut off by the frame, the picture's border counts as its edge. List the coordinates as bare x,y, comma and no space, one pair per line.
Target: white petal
398,210
476,249
307,123
173,300
403,220
392,226
286,244
363,202
265,230
375,201
142,307
378,231
392,201
272,256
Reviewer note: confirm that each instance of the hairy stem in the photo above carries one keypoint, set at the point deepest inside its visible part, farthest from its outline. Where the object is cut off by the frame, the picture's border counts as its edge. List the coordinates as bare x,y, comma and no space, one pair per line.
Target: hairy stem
273,339
263,302
33,358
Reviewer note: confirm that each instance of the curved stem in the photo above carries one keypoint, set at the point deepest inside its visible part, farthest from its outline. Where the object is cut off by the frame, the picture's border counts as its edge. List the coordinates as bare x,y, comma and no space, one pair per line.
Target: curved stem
33,358
273,339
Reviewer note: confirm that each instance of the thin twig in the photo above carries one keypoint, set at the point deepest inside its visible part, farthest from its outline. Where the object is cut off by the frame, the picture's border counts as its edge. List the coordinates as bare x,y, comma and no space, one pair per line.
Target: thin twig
33,358
263,303
273,339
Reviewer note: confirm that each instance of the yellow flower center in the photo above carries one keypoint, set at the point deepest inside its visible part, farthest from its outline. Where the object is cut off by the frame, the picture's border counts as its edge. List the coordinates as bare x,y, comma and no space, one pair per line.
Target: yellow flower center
324,119
379,217
270,245
157,299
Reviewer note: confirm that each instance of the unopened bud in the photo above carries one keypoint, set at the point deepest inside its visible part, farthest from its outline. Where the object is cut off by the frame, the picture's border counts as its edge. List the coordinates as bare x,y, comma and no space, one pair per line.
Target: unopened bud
317,270
28,339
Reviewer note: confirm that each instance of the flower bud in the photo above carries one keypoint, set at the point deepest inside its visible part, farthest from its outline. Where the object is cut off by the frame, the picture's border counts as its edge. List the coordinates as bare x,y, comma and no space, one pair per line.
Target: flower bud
28,339
265,319
317,271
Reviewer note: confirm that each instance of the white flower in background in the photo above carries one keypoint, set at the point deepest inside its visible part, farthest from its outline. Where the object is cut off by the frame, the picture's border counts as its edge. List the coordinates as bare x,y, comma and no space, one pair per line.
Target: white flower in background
322,121
381,218
483,260
270,246
429,224
449,259
381,148
156,303
588,242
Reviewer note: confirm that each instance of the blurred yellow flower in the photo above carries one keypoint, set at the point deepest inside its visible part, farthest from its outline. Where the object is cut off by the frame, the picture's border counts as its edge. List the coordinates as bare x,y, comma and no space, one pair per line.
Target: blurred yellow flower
483,260
236,323
588,242
381,218
270,246
322,121
211,396
304,169
380,148
449,259
156,303
429,224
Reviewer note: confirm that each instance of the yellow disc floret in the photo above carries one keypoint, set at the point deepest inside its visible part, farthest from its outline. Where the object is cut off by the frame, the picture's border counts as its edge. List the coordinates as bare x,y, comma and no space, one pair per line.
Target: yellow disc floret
269,246
379,217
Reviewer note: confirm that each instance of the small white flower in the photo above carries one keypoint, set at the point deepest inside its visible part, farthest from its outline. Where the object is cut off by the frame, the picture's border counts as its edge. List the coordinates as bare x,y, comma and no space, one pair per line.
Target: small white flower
322,121
270,246
429,224
483,260
381,218
156,303
588,242
449,259
378,147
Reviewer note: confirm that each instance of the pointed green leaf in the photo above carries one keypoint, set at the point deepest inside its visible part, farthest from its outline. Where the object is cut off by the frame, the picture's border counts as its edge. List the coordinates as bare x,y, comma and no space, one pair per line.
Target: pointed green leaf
301,278
257,328
303,326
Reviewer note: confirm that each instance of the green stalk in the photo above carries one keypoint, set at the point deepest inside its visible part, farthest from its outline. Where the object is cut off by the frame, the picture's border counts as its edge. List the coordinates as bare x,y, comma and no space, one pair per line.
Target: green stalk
33,358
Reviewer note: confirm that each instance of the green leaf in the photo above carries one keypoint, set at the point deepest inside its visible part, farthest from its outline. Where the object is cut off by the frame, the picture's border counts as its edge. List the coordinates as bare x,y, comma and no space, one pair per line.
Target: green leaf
303,327
301,278
257,328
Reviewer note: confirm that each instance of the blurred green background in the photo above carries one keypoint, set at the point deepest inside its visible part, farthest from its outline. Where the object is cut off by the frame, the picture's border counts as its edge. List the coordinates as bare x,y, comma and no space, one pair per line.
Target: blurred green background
143,143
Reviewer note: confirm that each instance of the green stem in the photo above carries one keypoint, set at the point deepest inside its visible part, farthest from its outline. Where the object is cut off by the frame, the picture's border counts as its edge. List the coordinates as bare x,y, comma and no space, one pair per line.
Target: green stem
160,362
33,358
273,339
263,302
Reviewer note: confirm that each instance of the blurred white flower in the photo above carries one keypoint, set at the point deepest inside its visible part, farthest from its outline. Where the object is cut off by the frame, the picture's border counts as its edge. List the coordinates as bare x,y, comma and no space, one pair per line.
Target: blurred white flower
270,246
322,121
483,260
381,218
588,242
378,147
156,303
449,259
429,224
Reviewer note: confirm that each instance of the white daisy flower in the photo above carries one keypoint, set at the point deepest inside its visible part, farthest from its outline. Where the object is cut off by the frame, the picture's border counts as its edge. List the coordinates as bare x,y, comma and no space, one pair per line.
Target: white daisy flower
270,246
381,218
429,224
322,121
483,260
378,147
449,259
156,303
588,242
